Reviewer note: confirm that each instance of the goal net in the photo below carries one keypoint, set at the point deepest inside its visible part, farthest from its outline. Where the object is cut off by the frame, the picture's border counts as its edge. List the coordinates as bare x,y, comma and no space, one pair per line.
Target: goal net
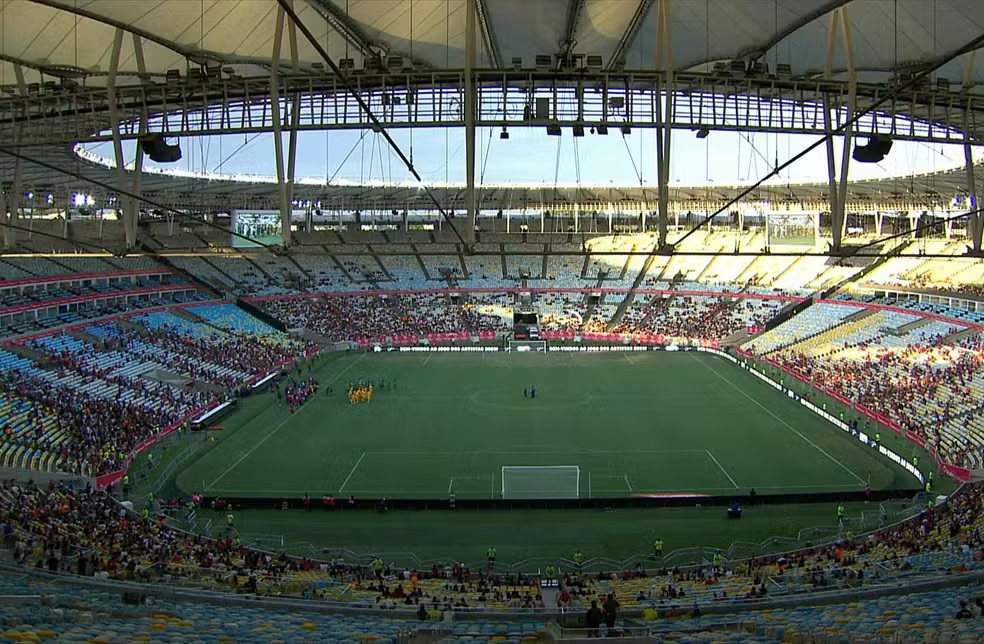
527,345
541,482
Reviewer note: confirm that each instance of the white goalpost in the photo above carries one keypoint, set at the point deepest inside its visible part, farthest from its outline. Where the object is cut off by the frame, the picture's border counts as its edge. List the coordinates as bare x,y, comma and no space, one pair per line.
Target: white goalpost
541,482
526,345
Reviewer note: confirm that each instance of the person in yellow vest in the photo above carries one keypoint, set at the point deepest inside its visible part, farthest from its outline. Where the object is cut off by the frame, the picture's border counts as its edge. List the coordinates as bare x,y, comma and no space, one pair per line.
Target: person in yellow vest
658,548
377,566
578,559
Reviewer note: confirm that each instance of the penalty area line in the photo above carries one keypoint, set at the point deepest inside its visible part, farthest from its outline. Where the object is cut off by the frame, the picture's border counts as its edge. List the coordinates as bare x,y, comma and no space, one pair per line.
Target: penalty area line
771,413
354,468
721,467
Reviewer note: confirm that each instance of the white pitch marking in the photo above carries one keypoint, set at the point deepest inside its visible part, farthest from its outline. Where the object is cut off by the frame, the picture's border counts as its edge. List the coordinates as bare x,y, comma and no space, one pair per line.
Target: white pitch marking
769,412
357,464
277,428
721,467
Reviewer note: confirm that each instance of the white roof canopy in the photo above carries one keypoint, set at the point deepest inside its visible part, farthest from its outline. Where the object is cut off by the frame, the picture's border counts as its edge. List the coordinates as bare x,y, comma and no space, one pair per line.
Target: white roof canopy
57,37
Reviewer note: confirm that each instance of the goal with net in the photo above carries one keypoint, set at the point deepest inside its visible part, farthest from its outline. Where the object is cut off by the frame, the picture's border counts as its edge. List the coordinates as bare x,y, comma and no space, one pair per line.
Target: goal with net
541,482
527,345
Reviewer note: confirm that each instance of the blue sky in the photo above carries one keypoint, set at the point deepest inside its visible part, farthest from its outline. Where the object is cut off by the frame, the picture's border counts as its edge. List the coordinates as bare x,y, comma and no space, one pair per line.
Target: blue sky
529,156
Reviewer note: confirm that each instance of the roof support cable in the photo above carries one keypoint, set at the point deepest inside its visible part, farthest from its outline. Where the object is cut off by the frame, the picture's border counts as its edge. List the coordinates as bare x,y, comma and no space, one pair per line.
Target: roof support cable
485,161
975,43
376,124
638,173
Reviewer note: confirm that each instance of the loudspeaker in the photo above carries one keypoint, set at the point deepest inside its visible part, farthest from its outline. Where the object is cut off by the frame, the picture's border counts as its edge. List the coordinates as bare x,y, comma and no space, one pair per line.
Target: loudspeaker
158,150
875,150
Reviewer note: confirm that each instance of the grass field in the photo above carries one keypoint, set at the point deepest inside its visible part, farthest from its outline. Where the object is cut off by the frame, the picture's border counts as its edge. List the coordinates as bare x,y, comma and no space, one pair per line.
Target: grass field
646,423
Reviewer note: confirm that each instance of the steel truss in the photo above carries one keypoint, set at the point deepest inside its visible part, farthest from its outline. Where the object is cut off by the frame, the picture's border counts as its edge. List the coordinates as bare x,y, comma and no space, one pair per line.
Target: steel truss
436,99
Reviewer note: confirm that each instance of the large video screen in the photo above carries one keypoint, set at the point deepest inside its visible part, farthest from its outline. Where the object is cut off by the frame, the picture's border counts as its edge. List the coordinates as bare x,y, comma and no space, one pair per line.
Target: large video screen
261,226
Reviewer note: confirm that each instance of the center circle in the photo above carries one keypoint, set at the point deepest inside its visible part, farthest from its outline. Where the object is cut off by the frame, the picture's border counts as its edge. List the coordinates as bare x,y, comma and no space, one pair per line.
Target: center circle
513,400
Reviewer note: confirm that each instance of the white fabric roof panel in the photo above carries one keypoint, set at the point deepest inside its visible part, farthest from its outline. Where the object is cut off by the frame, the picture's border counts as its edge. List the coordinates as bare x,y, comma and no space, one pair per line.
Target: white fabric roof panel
885,33
224,30
525,29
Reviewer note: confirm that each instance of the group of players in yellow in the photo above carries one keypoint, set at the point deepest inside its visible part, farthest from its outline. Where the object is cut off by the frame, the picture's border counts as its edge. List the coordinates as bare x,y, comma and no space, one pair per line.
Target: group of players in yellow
360,394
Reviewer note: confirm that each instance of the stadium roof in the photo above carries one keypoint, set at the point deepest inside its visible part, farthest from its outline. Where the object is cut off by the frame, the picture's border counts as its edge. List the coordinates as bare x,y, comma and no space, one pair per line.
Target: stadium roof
75,37
74,40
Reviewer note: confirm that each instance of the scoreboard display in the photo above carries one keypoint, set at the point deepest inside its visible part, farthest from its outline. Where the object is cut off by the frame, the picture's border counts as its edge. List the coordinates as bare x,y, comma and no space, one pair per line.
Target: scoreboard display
526,325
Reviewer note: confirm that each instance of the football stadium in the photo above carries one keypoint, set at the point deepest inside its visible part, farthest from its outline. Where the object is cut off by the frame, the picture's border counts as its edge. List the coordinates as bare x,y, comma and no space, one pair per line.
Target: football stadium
459,321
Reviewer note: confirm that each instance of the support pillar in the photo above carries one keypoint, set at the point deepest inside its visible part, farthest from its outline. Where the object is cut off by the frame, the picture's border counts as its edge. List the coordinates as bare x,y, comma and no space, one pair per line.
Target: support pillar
664,120
127,206
295,118
138,160
276,113
471,16
838,192
975,220
13,203
8,239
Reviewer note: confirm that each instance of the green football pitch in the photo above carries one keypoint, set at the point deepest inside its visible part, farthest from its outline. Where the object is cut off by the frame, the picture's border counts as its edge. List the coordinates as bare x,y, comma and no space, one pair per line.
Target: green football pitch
601,425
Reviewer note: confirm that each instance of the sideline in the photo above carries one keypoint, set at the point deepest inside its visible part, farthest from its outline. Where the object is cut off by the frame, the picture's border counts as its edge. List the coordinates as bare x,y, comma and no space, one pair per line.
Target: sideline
278,427
771,413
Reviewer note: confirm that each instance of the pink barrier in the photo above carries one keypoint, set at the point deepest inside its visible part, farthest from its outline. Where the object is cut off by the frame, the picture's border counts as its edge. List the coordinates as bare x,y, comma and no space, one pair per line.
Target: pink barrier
885,307
912,437
962,474
645,291
437,338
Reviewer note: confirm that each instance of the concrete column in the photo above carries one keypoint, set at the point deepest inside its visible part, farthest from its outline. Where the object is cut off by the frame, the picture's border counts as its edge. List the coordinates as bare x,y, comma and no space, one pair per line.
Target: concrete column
471,210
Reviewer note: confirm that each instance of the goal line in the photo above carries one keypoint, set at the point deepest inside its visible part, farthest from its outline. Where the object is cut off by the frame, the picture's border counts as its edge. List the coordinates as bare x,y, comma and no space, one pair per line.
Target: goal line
519,346
541,482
